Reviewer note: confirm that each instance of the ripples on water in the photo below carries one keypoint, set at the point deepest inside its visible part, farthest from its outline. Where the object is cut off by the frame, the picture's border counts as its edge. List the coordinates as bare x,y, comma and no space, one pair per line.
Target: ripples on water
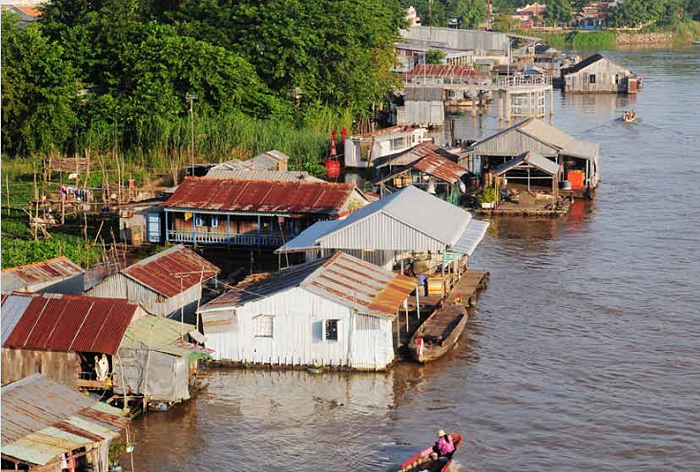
583,355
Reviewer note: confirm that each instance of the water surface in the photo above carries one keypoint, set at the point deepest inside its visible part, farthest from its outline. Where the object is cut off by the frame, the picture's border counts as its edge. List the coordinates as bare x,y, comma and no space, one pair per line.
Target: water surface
584,354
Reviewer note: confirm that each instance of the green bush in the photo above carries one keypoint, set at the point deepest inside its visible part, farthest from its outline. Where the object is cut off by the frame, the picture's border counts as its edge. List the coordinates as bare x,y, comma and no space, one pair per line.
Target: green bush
488,195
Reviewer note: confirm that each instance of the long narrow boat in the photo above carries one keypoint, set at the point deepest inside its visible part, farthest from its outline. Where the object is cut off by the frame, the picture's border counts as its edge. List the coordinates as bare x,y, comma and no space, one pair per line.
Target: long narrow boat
439,333
422,460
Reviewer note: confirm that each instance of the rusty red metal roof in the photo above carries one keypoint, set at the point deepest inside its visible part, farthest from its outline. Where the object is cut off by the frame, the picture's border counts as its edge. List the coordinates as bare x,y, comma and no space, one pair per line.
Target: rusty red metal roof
71,323
445,70
385,131
257,196
26,276
441,168
163,272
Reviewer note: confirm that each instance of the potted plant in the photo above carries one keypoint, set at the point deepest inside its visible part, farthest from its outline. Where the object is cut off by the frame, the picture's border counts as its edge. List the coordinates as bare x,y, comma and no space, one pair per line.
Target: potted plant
487,198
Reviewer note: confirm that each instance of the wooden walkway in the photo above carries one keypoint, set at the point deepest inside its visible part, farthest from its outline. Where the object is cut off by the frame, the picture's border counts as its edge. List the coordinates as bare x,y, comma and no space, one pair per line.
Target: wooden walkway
468,286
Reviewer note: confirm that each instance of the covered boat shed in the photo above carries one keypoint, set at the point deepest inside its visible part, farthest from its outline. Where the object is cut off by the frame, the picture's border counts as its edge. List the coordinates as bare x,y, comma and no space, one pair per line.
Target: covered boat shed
528,167
334,311
580,159
168,283
401,228
45,425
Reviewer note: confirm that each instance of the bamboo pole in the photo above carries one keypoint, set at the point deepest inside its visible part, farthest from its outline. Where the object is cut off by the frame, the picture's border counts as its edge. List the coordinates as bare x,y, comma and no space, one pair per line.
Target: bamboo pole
7,185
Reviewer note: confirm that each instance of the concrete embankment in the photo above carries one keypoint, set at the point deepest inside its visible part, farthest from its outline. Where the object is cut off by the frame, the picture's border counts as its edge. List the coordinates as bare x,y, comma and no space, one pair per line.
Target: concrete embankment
643,39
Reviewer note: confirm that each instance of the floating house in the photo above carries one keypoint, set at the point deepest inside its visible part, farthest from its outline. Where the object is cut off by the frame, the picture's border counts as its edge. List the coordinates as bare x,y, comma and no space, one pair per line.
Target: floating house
165,284
430,171
50,427
361,150
598,74
62,336
395,231
335,311
253,213
268,161
273,175
445,74
58,275
580,159
159,360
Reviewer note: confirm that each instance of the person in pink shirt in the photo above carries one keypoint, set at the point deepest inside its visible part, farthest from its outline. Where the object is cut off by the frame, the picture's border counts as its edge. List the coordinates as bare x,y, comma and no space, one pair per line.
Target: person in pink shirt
444,447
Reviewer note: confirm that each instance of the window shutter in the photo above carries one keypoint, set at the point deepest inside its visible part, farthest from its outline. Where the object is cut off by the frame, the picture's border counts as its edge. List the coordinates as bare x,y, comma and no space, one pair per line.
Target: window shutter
317,331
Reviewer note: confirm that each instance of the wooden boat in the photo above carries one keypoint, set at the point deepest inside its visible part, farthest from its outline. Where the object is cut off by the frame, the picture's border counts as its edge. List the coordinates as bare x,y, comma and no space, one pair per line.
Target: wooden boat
439,333
629,116
422,461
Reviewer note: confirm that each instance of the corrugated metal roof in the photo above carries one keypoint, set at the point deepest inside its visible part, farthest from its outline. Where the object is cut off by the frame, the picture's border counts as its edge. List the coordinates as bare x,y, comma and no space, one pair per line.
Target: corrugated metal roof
441,168
70,323
261,196
532,158
446,70
159,334
12,310
385,132
266,161
541,131
42,419
421,211
26,276
308,239
582,149
274,175
161,271
413,154
341,277
471,237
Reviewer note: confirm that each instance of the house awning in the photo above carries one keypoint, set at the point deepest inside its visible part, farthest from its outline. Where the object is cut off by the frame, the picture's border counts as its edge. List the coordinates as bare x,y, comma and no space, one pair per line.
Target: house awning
471,237
581,149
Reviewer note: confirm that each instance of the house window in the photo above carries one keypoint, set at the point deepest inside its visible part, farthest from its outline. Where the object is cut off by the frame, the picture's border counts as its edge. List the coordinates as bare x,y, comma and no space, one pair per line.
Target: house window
398,143
365,149
263,326
214,221
591,79
331,330
199,220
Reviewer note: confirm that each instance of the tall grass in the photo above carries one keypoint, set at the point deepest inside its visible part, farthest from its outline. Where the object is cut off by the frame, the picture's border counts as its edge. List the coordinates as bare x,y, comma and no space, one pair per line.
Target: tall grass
595,40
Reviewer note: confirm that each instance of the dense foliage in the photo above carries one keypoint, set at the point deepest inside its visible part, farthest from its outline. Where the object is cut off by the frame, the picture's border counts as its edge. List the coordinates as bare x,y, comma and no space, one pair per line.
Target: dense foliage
558,12
467,13
633,13
94,74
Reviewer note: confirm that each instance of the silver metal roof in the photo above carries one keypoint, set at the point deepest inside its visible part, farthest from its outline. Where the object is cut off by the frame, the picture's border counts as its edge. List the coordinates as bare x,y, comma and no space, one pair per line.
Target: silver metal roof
532,158
581,149
410,220
275,175
12,310
31,277
307,239
266,161
541,131
471,237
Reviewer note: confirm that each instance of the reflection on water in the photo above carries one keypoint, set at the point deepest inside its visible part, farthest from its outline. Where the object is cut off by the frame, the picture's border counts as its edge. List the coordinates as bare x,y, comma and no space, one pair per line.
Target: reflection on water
582,354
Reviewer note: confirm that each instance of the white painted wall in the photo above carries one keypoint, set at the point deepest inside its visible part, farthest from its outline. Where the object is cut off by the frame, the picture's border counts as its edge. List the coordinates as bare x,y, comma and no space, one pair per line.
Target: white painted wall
298,334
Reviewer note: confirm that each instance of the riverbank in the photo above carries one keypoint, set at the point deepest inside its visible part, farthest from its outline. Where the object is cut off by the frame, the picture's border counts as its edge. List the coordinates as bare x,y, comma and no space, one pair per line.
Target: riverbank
682,34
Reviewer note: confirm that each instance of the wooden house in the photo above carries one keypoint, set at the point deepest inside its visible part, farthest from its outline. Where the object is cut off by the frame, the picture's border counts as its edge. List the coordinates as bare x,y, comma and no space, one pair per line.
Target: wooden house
362,150
58,275
253,213
168,283
47,426
580,159
62,336
598,74
336,311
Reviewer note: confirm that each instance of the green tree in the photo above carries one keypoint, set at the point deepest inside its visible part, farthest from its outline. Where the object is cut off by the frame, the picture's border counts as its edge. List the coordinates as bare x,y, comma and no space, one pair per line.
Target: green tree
504,23
434,56
38,90
558,12
469,13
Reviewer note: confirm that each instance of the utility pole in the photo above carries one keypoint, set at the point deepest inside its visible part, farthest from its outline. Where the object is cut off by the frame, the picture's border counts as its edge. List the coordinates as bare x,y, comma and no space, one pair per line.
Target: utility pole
430,9
191,97
488,15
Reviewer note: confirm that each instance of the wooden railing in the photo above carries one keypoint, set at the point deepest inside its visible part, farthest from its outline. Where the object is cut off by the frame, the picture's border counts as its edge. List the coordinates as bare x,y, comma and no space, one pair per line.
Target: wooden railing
248,239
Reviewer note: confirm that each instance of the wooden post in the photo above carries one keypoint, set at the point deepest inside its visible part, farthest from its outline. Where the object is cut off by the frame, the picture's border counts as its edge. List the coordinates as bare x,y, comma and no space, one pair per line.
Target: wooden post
551,101
398,321
36,216
508,107
7,185
418,301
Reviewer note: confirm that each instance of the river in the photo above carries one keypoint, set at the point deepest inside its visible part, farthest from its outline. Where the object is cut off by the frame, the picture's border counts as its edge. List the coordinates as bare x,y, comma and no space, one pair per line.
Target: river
583,355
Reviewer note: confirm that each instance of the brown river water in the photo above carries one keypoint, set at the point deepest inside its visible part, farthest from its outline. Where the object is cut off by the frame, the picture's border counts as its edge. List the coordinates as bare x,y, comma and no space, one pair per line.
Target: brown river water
583,355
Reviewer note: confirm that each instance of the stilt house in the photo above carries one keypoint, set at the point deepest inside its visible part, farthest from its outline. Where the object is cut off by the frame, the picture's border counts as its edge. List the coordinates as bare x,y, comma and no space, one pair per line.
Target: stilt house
335,311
